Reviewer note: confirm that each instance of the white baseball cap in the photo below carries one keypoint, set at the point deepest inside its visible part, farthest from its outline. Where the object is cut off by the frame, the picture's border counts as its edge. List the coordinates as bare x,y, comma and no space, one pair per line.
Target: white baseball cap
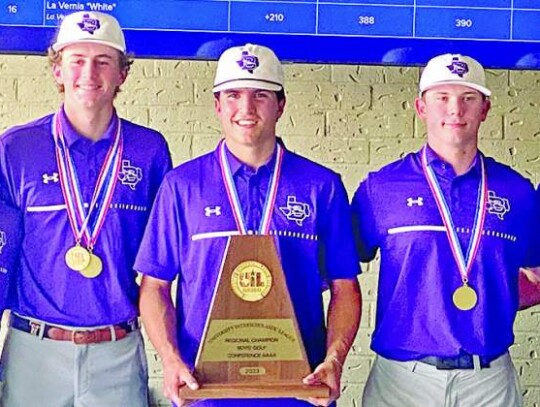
90,26
454,69
249,66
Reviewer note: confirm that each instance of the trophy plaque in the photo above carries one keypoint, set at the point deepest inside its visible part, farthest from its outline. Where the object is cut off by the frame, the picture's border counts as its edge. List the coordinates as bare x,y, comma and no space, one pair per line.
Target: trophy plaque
251,345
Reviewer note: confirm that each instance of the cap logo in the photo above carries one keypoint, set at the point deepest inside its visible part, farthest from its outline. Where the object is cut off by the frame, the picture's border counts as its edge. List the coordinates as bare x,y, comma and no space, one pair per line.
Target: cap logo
248,62
89,24
458,67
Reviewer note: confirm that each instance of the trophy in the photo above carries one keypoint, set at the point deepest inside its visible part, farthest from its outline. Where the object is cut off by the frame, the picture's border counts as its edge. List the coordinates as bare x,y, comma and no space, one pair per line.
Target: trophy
251,345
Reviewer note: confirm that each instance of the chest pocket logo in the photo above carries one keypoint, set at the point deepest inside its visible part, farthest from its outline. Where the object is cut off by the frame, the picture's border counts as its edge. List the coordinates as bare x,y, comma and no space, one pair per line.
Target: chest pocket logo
418,201
497,205
46,178
130,175
209,211
295,211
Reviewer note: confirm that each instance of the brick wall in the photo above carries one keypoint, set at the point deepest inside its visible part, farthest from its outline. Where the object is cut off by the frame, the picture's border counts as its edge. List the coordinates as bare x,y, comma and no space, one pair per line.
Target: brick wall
351,118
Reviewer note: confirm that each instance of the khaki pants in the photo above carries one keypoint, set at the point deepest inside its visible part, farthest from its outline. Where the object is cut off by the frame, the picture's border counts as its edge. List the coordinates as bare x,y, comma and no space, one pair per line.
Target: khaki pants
416,384
48,373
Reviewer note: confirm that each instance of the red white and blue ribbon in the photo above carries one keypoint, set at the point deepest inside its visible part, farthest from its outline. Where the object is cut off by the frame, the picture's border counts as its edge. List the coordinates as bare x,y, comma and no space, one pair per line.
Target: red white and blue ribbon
232,194
464,262
87,223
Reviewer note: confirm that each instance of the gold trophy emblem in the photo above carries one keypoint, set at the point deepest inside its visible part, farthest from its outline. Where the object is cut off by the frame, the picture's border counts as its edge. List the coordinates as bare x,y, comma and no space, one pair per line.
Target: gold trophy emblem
251,281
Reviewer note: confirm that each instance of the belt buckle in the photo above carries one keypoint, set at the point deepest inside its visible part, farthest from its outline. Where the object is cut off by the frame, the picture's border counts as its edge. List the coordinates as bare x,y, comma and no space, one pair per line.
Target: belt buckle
459,362
133,325
447,364
83,337
35,327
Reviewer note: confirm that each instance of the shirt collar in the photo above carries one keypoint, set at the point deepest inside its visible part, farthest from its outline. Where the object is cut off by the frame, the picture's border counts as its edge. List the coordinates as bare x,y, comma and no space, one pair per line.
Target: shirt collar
433,157
236,165
71,136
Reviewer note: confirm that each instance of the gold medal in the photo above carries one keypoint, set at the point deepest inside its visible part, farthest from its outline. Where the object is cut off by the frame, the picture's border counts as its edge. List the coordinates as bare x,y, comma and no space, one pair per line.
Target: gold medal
77,258
465,298
94,268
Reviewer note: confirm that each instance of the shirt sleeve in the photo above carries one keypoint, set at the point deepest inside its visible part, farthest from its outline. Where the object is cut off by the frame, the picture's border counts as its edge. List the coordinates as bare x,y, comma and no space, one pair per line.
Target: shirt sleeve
159,252
364,228
5,195
163,164
338,256
11,232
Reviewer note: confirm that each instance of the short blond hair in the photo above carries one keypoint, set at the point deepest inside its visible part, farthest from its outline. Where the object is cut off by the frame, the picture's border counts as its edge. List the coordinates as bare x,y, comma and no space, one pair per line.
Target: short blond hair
55,58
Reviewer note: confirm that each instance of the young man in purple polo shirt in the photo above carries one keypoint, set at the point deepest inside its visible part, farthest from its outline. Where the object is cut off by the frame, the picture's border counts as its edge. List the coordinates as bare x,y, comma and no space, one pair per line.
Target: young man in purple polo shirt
230,191
85,181
453,227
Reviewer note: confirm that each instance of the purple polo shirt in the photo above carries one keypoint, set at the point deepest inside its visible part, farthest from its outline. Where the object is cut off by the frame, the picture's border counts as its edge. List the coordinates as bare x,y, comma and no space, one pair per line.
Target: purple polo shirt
47,288
192,220
10,243
394,212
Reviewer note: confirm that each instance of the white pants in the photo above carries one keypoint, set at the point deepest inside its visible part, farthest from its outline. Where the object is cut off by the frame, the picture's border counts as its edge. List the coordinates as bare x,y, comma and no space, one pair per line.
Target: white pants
416,384
49,373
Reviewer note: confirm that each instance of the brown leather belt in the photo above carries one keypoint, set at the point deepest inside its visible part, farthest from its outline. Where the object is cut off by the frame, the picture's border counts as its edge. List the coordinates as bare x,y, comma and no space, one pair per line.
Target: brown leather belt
77,336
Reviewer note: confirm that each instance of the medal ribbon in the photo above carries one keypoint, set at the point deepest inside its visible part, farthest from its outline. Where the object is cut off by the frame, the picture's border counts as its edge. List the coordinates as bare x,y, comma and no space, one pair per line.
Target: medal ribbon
232,193
85,223
464,262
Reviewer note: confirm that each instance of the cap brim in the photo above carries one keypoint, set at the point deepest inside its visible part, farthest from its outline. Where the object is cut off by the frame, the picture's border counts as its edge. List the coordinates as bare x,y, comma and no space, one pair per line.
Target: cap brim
247,83
485,91
61,45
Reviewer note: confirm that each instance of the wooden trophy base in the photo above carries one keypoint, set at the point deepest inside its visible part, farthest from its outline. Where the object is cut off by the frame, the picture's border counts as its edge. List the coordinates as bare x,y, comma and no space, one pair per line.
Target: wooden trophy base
251,346
257,390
